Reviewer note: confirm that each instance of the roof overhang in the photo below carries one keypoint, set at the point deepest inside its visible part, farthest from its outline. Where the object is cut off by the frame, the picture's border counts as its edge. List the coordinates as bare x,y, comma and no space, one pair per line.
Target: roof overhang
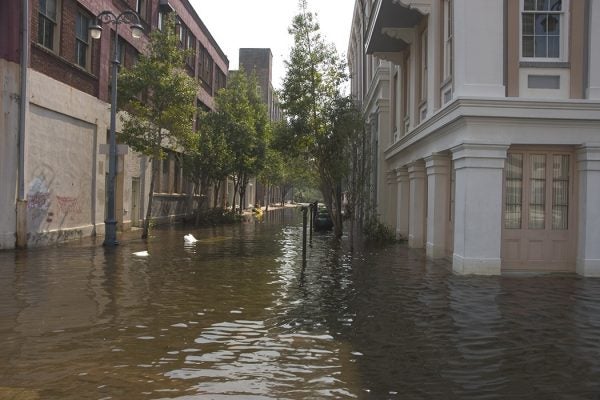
391,26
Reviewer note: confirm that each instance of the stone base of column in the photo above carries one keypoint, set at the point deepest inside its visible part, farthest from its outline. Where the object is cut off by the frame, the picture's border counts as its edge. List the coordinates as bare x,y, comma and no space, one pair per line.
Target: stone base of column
434,251
476,266
589,268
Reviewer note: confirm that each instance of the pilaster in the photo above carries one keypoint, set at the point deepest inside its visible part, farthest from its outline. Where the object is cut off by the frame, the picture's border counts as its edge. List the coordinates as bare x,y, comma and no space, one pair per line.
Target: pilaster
403,204
418,205
438,185
478,208
588,250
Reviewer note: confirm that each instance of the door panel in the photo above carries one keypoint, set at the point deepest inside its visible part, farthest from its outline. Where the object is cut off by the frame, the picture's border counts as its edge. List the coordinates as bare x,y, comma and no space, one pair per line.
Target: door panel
539,207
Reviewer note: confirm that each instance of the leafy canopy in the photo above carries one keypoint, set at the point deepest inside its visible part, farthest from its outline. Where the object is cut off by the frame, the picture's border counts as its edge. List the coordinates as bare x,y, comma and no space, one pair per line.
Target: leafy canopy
158,96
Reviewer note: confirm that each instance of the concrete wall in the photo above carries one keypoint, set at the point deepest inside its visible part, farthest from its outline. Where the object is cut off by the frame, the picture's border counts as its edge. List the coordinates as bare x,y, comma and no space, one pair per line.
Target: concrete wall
9,120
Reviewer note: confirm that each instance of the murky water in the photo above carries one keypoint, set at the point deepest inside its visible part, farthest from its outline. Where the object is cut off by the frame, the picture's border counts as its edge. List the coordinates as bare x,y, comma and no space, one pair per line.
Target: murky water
238,316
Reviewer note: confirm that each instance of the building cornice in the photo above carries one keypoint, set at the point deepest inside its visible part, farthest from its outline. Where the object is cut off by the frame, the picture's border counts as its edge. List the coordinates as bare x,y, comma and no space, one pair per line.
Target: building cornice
574,111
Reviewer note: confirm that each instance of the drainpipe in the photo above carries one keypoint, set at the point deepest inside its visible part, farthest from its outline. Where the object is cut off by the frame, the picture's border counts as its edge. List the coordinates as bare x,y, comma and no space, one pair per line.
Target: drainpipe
21,199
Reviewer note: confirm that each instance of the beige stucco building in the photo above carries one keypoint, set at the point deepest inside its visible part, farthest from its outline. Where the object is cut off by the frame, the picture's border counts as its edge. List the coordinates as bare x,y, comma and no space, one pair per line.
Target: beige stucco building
485,121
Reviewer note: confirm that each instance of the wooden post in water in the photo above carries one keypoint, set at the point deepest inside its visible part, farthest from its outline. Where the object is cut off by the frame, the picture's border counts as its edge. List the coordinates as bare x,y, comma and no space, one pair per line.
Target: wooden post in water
312,218
304,221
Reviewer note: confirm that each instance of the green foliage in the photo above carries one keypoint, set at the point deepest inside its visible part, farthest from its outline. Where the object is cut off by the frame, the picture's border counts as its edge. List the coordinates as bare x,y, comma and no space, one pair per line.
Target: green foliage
208,158
217,216
158,96
322,122
375,231
244,121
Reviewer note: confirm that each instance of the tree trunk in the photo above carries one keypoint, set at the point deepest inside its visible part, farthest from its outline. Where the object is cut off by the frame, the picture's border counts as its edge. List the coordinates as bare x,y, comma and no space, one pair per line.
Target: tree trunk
150,198
216,189
266,201
236,185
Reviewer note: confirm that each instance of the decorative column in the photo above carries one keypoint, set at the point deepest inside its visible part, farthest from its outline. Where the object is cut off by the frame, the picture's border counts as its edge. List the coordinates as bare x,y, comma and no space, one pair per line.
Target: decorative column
418,204
402,207
588,249
593,67
478,208
438,201
391,202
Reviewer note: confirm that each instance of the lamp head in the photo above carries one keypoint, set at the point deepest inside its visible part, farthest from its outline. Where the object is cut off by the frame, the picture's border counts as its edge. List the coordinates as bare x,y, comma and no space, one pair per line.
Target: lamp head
137,30
95,31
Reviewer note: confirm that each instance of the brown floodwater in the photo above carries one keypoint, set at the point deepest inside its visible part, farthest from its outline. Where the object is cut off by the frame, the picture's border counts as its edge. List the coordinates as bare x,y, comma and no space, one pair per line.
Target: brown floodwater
238,315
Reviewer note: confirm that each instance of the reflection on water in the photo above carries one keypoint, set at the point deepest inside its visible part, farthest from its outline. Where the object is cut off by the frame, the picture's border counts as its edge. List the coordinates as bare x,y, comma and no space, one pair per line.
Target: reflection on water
238,315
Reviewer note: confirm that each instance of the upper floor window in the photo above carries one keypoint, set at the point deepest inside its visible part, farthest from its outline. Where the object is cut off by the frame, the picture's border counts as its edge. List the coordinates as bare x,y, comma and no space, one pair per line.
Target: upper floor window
205,69
161,20
448,37
220,80
423,62
140,8
82,42
47,22
543,29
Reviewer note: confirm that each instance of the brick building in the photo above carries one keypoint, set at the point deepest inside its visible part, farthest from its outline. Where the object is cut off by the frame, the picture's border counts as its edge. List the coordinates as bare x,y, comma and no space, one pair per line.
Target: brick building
54,122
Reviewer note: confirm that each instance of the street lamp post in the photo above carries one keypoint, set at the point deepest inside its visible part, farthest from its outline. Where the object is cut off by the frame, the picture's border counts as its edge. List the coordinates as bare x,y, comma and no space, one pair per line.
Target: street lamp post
108,17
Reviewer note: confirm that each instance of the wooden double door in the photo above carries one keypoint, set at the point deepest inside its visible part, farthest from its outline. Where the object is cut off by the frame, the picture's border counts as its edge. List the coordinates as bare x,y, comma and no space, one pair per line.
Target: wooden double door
539,210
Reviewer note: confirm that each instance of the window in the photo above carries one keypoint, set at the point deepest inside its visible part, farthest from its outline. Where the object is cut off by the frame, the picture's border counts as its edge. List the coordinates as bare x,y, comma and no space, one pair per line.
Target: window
513,191
191,47
161,20
47,23
423,61
394,105
140,8
205,69
405,110
537,190
543,29
82,43
448,36
220,80
560,192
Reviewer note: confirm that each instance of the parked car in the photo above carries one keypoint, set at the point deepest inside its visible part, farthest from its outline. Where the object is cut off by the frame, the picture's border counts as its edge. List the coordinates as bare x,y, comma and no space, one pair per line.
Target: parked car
322,221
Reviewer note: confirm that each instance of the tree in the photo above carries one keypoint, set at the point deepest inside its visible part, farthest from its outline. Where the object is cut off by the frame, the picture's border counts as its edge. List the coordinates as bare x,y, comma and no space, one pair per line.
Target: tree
320,117
158,97
208,158
245,120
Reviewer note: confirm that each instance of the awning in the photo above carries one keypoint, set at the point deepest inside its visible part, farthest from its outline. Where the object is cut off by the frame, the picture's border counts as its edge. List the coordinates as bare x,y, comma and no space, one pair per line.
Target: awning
391,24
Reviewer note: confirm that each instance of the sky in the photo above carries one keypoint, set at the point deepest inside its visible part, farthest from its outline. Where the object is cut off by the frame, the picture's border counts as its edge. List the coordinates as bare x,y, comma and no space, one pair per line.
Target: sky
236,24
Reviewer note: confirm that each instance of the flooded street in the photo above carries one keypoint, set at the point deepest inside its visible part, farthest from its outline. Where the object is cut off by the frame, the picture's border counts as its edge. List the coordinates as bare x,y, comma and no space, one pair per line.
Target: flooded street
237,315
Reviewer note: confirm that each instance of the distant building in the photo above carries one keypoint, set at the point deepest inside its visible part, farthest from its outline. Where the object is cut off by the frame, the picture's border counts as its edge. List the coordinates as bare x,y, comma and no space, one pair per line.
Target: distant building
52,181
484,124
260,61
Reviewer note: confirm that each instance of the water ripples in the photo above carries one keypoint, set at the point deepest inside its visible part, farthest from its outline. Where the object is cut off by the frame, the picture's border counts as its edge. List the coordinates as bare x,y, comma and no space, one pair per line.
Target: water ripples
238,315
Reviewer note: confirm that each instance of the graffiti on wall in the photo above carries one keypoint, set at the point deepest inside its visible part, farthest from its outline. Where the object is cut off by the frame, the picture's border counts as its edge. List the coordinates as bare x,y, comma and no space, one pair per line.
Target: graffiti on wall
38,201
68,205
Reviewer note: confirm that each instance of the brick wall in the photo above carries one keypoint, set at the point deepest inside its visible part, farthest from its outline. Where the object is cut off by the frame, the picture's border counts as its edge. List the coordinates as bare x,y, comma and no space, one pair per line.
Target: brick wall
60,62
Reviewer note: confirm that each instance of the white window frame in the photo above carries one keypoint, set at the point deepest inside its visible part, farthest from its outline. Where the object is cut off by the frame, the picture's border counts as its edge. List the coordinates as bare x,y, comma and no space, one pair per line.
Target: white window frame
55,24
83,41
424,67
564,35
448,39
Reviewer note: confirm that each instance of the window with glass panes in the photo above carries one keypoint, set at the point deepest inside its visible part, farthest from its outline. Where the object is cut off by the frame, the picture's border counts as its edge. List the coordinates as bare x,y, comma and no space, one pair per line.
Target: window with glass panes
47,22
543,29
82,23
536,191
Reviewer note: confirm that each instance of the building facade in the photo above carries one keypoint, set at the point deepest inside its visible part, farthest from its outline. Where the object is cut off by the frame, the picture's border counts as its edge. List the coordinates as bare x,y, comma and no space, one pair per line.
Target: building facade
55,117
260,62
484,119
